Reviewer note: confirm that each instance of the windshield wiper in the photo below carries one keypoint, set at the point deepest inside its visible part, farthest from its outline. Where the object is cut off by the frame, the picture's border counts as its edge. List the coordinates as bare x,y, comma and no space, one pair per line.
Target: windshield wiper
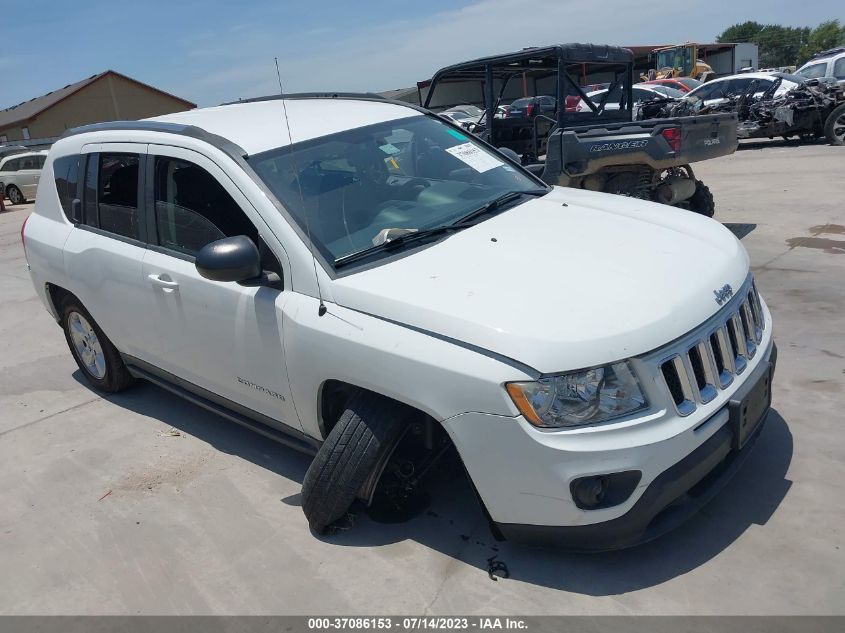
498,203
417,236
397,242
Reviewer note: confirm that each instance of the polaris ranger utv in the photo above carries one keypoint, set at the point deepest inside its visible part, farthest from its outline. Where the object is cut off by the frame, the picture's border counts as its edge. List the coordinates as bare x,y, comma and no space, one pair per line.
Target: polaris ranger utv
590,141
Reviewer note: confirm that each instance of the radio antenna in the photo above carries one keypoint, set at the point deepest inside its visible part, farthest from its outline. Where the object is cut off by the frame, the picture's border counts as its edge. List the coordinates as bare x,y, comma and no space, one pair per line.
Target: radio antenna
322,309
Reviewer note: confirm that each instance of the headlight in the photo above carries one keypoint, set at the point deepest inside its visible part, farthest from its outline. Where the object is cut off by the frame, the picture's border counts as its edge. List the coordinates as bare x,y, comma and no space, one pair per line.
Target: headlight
578,398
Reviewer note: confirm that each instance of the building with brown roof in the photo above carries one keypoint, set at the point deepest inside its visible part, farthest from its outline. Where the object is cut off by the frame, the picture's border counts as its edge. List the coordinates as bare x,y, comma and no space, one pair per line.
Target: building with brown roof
107,96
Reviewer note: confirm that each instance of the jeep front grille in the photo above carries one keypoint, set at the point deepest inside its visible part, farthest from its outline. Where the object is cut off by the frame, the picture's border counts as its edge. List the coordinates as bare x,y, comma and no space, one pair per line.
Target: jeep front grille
708,363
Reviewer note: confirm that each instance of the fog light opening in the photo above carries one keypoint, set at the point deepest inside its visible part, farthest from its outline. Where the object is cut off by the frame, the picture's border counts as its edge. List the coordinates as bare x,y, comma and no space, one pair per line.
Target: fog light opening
604,491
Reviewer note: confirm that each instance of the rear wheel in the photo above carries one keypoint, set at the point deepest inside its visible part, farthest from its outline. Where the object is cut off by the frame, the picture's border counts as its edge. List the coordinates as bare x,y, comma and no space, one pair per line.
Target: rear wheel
702,200
95,354
834,126
14,195
352,457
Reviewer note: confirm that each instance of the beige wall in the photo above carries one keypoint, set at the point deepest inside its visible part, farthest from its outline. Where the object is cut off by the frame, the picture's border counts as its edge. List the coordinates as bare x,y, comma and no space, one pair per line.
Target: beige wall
109,98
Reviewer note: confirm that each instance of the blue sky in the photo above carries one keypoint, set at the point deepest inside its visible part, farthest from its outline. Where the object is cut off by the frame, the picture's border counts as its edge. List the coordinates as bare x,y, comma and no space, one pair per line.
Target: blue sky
213,51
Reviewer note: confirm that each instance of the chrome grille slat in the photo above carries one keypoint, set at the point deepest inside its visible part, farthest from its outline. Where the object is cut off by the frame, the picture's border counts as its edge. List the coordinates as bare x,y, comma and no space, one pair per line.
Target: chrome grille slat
709,363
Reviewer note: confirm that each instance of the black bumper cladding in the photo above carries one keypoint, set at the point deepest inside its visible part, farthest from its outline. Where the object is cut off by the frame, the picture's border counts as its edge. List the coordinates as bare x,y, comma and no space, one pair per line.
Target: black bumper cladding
679,492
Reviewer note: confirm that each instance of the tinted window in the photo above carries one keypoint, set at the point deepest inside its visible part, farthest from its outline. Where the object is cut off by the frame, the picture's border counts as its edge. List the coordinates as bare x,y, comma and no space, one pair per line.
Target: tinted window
65,172
29,162
12,165
839,68
117,194
193,209
39,161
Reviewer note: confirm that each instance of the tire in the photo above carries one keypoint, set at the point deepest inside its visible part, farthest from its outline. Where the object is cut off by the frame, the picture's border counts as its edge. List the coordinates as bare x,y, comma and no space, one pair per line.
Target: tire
358,446
94,353
702,200
834,126
14,195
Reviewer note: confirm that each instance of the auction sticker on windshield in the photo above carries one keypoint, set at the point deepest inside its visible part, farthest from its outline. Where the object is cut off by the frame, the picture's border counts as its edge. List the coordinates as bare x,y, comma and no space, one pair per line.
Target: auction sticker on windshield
475,157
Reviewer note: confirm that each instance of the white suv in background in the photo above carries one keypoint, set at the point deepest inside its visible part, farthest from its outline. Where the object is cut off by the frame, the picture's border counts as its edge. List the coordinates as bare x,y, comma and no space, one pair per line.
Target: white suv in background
373,285
20,174
826,65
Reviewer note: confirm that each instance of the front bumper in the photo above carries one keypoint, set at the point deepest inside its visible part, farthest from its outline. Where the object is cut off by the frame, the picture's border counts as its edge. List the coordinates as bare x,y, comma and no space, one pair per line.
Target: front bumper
525,484
672,498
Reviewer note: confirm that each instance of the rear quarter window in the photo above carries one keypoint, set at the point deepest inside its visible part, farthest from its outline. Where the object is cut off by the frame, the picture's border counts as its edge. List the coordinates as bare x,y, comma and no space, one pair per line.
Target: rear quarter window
66,176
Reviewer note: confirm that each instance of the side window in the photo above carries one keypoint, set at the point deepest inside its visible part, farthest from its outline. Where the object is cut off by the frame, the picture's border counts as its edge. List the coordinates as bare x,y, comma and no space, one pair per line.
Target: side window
28,162
839,68
117,194
193,209
737,86
65,173
39,161
814,71
12,165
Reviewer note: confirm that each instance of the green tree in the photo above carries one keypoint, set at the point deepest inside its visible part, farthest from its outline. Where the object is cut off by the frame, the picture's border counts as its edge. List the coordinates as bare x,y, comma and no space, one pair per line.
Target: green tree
786,45
826,35
745,32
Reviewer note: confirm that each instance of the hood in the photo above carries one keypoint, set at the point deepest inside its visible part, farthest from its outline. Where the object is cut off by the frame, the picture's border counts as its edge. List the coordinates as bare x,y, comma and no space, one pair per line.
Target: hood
566,281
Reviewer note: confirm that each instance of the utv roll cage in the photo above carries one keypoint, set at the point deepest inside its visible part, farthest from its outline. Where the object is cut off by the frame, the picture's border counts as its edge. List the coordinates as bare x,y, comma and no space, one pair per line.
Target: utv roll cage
562,70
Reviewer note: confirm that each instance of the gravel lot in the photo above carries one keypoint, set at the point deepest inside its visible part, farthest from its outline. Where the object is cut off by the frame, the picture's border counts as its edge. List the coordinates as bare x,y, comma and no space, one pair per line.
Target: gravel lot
104,511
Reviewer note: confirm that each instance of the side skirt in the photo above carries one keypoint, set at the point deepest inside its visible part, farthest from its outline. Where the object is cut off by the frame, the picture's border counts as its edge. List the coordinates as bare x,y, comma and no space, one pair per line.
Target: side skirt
223,407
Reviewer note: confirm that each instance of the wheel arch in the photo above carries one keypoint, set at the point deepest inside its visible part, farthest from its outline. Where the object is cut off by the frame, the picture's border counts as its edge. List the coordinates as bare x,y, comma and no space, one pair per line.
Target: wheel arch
333,395
56,296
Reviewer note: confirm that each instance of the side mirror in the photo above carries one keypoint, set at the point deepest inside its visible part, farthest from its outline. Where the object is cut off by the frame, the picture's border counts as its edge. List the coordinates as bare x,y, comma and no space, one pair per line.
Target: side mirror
230,259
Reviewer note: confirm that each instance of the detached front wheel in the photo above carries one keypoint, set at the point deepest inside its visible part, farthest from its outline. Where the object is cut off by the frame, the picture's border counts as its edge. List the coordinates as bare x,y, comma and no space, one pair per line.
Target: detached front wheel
352,457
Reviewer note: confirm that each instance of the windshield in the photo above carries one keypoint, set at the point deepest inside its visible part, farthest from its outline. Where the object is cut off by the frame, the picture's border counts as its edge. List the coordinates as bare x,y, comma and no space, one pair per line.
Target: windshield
416,173
679,57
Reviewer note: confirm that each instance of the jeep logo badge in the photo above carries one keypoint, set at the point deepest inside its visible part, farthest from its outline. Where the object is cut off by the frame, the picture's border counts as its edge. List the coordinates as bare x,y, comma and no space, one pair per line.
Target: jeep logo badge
723,294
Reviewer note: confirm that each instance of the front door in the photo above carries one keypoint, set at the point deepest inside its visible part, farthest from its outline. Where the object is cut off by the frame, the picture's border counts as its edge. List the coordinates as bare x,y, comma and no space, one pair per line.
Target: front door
225,338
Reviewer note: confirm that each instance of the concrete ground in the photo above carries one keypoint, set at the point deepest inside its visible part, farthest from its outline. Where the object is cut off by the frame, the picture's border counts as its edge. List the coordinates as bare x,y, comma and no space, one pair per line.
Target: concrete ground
105,511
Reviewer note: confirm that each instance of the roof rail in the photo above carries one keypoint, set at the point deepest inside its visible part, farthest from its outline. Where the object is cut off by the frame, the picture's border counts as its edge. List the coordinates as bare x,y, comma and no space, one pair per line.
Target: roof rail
828,52
311,95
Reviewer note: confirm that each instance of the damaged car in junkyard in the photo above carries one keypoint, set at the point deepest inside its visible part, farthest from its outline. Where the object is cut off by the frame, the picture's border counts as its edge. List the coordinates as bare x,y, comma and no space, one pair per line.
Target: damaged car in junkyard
808,109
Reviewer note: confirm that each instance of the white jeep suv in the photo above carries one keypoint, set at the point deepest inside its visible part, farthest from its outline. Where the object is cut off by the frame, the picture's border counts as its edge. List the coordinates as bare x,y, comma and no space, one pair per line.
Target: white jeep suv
362,280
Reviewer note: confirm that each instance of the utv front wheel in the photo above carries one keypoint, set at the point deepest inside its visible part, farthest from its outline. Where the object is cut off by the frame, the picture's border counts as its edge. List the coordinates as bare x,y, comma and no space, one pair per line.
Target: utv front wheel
702,200
98,359
355,452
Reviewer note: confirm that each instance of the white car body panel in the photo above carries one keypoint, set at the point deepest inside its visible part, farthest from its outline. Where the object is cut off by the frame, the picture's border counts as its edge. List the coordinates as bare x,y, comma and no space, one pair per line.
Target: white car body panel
518,297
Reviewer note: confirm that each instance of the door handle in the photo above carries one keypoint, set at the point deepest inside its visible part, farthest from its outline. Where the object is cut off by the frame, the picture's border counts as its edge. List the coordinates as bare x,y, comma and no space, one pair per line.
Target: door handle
164,283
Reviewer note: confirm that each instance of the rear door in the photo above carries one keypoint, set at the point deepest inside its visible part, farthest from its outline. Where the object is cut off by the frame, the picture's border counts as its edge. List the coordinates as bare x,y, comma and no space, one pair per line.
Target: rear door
104,252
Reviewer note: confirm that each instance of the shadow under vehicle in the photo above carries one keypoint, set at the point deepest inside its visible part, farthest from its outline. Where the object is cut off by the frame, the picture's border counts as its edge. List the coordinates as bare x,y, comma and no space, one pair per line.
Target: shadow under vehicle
600,148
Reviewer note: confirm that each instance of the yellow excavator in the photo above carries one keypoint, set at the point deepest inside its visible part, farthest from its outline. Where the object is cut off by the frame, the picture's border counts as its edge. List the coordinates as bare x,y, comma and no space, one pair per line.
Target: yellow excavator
679,61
